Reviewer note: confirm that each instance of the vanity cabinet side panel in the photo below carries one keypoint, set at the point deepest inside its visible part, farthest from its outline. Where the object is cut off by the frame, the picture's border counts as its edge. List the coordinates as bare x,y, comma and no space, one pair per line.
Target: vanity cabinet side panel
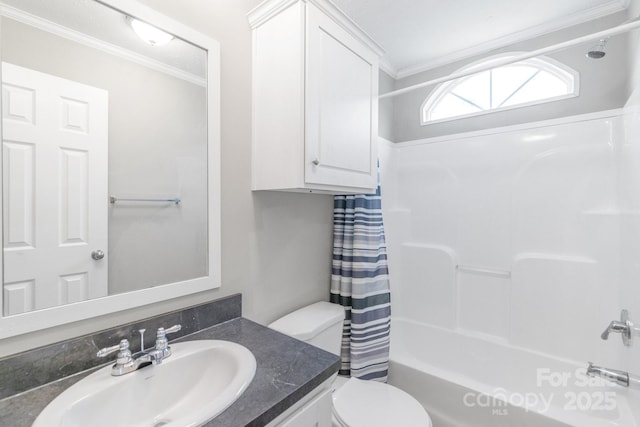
278,101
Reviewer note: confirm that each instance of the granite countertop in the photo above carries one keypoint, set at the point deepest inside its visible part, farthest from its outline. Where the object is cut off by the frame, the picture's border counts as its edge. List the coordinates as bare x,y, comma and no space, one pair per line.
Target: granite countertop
287,369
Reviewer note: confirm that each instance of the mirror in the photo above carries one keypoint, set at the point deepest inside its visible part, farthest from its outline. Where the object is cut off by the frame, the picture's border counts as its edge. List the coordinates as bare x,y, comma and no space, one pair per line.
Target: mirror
110,161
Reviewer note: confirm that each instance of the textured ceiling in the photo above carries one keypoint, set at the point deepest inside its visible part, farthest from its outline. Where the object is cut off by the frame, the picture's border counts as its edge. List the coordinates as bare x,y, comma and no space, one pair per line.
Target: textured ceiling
423,34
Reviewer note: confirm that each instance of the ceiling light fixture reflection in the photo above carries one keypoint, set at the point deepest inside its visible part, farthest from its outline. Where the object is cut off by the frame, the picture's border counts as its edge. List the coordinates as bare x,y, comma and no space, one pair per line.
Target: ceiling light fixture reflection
149,33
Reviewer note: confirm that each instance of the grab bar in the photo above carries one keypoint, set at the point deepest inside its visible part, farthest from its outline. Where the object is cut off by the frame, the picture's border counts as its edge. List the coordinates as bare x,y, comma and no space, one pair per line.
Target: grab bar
484,271
114,199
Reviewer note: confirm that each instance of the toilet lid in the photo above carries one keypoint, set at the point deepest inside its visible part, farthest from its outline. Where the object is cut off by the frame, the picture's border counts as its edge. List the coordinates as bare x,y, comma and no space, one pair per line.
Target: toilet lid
374,404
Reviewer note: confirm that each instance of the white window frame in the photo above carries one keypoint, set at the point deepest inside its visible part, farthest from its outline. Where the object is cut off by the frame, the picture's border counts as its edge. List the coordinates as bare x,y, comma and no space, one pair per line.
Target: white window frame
544,63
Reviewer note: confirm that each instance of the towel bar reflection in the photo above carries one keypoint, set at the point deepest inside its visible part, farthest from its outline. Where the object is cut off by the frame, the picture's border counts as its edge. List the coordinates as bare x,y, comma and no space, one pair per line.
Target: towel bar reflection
114,199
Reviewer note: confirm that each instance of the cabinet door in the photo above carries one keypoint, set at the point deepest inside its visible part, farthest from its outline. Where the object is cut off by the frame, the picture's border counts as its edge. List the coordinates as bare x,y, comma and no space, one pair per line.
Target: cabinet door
316,413
341,102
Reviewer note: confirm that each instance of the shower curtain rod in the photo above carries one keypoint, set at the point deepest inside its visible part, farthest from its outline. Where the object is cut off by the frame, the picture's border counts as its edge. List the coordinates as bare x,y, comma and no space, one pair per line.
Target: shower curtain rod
620,29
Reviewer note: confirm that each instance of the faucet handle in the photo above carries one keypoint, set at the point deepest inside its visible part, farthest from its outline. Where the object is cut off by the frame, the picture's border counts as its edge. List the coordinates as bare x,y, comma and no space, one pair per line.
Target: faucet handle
162,332
161,337
171,330
614,326
124,362
122,347
623,327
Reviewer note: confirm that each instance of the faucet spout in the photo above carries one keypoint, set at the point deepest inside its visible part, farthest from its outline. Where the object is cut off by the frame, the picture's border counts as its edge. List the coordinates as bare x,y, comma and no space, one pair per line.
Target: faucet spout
154,357
144,360
126,363
613,375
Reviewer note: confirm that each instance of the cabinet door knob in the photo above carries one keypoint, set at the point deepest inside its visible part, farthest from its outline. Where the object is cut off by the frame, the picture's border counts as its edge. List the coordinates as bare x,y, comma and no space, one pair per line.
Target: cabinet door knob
316,162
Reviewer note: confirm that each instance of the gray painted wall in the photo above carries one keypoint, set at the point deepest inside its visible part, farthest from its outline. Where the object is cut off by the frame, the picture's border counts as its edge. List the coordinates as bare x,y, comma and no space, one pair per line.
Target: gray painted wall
604,85
634,47
386,83
276,247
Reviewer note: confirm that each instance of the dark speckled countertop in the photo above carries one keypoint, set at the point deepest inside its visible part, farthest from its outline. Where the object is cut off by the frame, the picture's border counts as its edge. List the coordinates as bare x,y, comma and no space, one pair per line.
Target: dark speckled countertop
287,369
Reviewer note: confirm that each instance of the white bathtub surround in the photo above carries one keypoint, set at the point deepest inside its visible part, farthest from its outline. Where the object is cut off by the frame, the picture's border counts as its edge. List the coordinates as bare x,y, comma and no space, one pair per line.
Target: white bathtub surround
461,379
511,250
629,158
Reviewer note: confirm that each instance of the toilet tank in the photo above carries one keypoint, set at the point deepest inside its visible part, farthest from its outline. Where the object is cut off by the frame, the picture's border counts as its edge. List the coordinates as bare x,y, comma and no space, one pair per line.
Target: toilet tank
318,324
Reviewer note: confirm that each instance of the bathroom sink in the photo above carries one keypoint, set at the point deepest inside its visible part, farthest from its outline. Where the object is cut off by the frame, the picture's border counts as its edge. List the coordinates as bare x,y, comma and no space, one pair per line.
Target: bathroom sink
198,382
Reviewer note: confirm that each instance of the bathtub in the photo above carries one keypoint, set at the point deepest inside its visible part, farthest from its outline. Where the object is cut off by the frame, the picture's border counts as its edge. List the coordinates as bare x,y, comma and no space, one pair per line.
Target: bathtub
472,381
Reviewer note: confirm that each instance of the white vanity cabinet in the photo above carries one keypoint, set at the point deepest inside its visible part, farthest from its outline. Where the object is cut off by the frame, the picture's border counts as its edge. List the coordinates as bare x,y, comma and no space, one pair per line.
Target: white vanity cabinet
315,99
313,410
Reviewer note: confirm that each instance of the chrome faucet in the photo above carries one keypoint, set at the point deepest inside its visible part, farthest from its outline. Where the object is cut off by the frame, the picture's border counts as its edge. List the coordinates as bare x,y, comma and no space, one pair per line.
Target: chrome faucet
618,377
162,349
624,327
125,362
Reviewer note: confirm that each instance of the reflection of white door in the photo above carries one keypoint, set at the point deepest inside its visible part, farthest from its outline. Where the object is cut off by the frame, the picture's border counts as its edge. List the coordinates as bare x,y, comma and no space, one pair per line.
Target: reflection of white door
54,150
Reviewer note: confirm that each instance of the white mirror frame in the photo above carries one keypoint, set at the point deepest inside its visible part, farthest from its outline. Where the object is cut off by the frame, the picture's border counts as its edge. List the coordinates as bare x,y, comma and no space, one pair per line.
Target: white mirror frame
54,316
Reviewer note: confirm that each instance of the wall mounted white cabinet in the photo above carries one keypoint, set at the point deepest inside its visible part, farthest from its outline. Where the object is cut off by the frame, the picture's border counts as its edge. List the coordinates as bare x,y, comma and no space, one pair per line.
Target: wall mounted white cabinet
315,99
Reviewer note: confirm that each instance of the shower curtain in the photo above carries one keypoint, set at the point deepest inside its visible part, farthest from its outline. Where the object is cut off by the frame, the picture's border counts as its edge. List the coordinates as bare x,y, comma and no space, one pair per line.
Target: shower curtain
360,282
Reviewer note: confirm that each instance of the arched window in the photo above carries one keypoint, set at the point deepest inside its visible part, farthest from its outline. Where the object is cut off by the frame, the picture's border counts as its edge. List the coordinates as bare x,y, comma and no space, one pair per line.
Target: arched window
528,82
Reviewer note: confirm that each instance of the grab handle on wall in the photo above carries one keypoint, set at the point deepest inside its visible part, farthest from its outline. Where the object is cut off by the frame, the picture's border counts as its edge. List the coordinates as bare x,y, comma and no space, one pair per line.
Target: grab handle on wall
484,271
114,199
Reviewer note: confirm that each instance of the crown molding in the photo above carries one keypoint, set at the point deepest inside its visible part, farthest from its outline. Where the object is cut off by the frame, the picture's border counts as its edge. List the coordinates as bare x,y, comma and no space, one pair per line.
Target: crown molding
386,66
267,10
603,10
347,23
270,8
78,37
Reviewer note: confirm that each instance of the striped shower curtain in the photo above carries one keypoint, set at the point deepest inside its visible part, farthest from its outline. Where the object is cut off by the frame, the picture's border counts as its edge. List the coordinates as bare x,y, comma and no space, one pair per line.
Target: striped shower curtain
360,282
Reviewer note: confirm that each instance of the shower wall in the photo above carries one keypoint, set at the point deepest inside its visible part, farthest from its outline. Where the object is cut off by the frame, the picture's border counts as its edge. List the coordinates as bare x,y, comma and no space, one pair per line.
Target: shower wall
514,235
629,196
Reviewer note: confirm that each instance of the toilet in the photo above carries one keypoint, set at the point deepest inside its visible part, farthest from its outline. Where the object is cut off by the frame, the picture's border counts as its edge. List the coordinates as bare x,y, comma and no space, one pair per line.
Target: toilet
356,403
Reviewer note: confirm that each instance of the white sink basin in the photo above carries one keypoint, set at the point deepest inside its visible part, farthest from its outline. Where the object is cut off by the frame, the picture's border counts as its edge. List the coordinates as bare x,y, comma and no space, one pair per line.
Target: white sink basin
197,382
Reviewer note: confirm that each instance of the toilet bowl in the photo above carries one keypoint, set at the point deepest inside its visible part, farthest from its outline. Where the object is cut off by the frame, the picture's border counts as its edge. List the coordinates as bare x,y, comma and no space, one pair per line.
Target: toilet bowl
356,403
